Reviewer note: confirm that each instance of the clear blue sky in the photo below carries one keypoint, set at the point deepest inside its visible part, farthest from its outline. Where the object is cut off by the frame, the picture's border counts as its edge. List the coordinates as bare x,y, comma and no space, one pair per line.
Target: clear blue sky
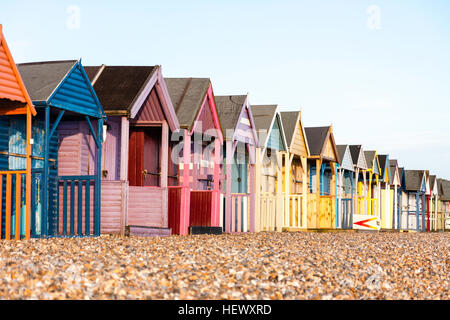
382,79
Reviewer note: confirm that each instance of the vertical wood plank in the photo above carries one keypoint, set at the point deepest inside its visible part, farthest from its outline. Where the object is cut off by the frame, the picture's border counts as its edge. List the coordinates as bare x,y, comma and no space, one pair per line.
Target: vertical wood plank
8,208
80,208
316,220
228,179
64,231
258,199
185,208
216,185
233,217
1,204
287,187
239,213
124,145
72,207
58,209
252,199
305,212
164,154
28,178
18,205
87,209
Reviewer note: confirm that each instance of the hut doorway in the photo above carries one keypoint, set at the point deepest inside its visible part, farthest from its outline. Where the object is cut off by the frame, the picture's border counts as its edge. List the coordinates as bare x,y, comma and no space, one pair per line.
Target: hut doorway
144,157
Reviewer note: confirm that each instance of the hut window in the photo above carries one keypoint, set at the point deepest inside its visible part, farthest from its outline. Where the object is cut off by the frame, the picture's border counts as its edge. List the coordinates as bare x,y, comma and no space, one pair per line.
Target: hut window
326,182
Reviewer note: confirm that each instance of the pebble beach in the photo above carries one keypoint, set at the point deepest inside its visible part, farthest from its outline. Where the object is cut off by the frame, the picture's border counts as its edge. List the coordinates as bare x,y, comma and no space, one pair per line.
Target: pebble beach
266,265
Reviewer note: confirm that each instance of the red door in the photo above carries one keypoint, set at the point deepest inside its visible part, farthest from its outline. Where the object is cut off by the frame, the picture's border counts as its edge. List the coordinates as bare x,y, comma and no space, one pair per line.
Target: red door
144,157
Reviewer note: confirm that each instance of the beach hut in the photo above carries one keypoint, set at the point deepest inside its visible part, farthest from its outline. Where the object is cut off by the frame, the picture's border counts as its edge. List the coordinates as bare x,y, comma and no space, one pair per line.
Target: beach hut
345,180
135,166
445,204
370,218
395,181
67,165
360,183
322,178
385,203
241,141
194,198
269,199
414,186
295,183
15,149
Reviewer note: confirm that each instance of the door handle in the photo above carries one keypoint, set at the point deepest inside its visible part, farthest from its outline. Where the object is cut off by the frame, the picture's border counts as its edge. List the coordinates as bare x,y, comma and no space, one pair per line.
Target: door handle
145,172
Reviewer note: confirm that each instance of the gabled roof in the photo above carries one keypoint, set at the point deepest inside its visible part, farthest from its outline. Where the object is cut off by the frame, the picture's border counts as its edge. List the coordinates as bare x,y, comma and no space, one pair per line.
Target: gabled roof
291,121
124,89
265,117
372,159
393,166
188,95
426,174
445,190
44,80
414,180
344,157
317,139
385,167
12,87
358,157
341,148
230,108
433,184
432,179
394,172
118,86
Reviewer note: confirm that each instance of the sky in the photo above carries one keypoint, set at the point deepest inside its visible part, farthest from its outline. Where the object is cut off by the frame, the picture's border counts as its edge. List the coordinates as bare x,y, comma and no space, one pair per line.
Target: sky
378,71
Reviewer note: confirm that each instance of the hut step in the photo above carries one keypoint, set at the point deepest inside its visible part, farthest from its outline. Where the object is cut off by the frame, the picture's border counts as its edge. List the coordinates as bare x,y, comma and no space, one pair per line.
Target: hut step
144,231
205,230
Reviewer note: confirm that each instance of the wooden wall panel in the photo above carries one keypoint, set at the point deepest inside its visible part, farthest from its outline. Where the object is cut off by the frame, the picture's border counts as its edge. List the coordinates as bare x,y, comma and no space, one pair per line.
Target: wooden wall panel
145,207
70,149
152,109
205,120
298,146
112,201
200,208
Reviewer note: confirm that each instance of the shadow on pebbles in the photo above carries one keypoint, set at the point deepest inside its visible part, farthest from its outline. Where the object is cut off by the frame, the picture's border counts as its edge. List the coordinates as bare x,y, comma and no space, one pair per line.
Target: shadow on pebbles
246,266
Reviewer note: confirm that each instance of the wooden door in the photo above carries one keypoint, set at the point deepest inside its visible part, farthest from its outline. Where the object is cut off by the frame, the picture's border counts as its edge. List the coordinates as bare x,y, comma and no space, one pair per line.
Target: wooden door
144,157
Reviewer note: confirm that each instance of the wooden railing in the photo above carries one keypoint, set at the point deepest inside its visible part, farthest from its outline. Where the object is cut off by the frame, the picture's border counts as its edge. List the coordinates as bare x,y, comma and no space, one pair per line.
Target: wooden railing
13,220
345,213
239,212
270,217
74,198
293,215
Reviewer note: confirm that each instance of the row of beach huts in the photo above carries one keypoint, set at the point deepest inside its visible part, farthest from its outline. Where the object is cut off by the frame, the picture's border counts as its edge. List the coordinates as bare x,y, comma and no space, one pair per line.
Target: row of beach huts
90,150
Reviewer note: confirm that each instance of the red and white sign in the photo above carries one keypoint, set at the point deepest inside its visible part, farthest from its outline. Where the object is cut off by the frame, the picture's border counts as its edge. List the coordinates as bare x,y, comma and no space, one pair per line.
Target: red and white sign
366,222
